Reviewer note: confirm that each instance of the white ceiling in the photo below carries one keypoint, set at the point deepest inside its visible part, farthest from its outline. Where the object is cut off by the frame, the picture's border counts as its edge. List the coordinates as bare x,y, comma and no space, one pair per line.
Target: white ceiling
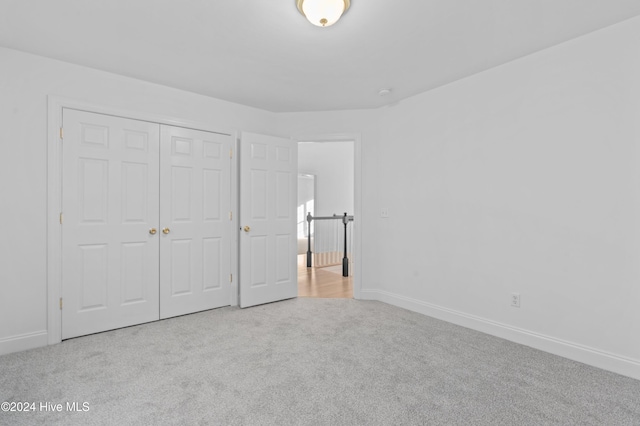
263,53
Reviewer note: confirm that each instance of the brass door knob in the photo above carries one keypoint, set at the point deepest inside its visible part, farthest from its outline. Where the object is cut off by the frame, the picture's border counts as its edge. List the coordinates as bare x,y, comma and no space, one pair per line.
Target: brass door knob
247,228
153,231
166,230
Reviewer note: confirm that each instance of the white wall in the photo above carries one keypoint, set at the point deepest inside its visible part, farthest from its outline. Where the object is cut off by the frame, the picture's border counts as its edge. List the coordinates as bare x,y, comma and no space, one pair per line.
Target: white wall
524,178
25,82
332,164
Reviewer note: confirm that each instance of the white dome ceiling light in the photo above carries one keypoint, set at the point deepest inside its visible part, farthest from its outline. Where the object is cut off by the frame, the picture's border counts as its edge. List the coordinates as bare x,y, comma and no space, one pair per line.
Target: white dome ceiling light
323,13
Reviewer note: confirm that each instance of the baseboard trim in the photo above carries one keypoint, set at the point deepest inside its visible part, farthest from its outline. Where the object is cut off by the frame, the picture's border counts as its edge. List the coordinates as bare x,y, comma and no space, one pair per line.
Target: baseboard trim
576,352
23,342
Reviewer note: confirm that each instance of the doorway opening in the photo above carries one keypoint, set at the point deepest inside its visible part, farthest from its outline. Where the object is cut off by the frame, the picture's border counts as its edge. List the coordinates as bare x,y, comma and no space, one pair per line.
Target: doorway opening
326,188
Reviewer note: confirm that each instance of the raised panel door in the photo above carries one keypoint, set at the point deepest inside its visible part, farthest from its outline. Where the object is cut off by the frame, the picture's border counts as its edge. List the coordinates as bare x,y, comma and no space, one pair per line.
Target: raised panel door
195,203
268,191
110,203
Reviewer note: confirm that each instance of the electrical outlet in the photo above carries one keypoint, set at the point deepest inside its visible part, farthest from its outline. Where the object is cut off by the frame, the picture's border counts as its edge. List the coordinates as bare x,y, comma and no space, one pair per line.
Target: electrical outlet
384,212
515,300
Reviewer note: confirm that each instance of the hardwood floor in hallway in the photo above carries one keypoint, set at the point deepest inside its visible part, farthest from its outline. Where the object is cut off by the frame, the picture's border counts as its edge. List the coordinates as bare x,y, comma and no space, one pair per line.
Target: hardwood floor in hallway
326,282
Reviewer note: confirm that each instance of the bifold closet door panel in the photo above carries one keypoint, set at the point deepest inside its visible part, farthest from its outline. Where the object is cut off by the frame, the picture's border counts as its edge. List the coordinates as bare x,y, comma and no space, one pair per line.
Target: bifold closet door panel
195,223
110,190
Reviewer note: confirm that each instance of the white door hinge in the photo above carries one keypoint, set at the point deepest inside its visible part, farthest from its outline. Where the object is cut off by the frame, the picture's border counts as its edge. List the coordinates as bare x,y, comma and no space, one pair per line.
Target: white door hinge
61,303
231,153
61,133
230,215
61,218
231,278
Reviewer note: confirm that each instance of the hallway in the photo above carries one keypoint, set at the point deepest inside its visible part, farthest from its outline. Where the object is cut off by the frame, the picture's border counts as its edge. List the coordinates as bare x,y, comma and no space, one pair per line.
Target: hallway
326,282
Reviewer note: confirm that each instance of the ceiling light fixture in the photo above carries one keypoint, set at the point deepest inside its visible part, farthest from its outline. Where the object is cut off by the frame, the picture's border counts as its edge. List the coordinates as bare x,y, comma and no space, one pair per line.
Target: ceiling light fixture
323,13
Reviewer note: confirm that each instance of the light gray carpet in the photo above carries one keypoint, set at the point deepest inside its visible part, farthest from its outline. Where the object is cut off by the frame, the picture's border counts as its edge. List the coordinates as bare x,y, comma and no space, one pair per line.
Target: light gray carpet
311,362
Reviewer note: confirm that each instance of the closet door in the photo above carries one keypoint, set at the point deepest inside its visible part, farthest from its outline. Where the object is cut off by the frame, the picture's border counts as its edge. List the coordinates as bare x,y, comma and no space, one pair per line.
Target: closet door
110,211
195,230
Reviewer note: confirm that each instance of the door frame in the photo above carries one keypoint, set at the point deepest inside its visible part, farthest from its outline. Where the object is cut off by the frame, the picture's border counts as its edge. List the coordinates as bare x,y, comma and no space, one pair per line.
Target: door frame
55,106
356,138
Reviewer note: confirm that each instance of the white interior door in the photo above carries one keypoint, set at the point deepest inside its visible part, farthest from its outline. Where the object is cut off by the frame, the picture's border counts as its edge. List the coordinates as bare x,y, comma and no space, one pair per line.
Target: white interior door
268,243
110,206
195,222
